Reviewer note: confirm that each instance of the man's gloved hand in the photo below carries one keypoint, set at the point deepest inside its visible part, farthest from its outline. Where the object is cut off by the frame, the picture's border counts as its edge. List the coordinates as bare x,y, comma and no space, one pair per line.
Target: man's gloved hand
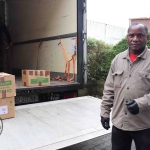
133,107
105,122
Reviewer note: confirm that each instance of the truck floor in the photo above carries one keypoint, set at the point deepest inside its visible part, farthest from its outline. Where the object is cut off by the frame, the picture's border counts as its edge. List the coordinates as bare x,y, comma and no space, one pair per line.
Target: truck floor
52,125
52,83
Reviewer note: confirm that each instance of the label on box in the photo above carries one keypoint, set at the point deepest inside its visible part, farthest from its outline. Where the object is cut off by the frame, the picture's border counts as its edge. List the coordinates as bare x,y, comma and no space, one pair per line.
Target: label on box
36,81
3,110
6,83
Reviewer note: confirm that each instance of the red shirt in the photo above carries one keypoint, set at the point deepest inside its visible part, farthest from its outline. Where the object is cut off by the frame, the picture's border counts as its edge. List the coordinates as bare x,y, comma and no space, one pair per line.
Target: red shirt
133,57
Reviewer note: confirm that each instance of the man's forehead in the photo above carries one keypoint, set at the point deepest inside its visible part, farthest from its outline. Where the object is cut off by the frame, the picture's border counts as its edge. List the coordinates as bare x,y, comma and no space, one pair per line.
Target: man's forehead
137,28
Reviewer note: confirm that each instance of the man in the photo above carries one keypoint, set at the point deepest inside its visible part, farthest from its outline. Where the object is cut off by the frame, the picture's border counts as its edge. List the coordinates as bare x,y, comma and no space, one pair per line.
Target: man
5,41
127,92
3,30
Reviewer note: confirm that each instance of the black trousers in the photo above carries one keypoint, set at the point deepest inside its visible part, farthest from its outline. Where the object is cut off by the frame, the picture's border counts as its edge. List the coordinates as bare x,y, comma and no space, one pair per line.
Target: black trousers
121,140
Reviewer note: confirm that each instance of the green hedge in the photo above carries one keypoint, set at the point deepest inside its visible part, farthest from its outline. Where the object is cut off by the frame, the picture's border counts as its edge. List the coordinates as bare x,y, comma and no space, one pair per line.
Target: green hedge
97,59
100,56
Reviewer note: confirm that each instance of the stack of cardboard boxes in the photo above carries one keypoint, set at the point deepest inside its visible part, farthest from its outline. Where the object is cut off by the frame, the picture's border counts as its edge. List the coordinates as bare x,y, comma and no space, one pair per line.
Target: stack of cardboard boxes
7,94
8,90
34,78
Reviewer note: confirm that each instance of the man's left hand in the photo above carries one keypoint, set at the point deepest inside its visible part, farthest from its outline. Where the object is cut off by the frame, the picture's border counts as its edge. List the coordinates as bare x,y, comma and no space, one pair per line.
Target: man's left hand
133,107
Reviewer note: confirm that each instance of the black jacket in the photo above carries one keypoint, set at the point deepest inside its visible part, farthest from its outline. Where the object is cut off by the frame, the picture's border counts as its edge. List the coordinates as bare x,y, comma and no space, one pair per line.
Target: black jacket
3,29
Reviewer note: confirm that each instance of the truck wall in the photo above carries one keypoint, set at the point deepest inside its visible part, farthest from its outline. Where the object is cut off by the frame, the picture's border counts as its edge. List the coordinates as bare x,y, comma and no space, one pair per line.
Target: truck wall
50,55
36,19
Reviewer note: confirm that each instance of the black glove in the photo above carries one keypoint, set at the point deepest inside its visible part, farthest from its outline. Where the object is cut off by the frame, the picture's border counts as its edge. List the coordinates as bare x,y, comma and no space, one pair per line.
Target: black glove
133,107
105,122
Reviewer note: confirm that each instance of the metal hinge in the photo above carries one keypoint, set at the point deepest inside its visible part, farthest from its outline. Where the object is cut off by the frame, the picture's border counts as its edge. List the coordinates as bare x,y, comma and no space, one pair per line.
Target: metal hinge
83,35
85,67
84,5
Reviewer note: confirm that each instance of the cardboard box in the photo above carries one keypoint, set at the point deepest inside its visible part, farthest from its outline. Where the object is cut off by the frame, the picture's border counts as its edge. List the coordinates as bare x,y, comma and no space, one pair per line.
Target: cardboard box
33,78
7,85
7,108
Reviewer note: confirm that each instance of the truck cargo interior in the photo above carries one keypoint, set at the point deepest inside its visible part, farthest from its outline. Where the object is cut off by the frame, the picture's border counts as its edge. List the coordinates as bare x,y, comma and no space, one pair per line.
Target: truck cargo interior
46,35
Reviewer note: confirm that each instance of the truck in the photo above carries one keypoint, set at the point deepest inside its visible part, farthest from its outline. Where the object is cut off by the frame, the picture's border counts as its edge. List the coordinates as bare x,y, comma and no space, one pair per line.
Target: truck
47,35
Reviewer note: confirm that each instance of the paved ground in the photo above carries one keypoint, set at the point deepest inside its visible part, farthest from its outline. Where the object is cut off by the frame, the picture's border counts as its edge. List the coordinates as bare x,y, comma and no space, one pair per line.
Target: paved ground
53,125
99,143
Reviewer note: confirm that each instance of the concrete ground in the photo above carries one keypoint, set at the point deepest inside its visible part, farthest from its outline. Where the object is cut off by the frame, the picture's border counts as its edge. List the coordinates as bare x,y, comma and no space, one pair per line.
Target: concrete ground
53,125
99,143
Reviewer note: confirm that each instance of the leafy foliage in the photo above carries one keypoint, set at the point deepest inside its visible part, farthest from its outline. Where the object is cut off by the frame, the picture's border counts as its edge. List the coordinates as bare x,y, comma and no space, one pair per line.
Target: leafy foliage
97,59
119,47
148,43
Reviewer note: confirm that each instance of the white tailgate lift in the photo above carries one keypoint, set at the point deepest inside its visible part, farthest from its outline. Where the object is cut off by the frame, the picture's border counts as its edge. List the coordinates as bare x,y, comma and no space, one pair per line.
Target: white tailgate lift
52,125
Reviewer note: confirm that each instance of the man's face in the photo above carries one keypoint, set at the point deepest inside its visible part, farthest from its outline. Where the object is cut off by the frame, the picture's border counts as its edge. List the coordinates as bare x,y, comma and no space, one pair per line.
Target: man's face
137,38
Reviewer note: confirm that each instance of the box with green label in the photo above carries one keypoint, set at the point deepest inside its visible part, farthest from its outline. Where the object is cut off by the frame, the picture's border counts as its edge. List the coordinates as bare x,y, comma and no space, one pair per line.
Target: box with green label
7,85
34,78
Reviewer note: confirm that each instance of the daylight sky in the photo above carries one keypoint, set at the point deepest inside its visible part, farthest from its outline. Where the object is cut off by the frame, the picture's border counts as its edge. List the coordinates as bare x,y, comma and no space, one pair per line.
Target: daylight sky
117,12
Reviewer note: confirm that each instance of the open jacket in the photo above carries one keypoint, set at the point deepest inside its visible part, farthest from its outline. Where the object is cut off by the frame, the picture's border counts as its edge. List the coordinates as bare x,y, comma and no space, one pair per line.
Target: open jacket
127,81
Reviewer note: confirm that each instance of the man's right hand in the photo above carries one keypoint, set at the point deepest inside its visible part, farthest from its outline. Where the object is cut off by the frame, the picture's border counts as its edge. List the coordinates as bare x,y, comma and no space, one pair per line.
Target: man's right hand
105,122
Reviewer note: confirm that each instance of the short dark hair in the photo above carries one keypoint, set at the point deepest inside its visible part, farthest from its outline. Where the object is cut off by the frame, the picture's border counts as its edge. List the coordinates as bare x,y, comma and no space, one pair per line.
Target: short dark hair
138,23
